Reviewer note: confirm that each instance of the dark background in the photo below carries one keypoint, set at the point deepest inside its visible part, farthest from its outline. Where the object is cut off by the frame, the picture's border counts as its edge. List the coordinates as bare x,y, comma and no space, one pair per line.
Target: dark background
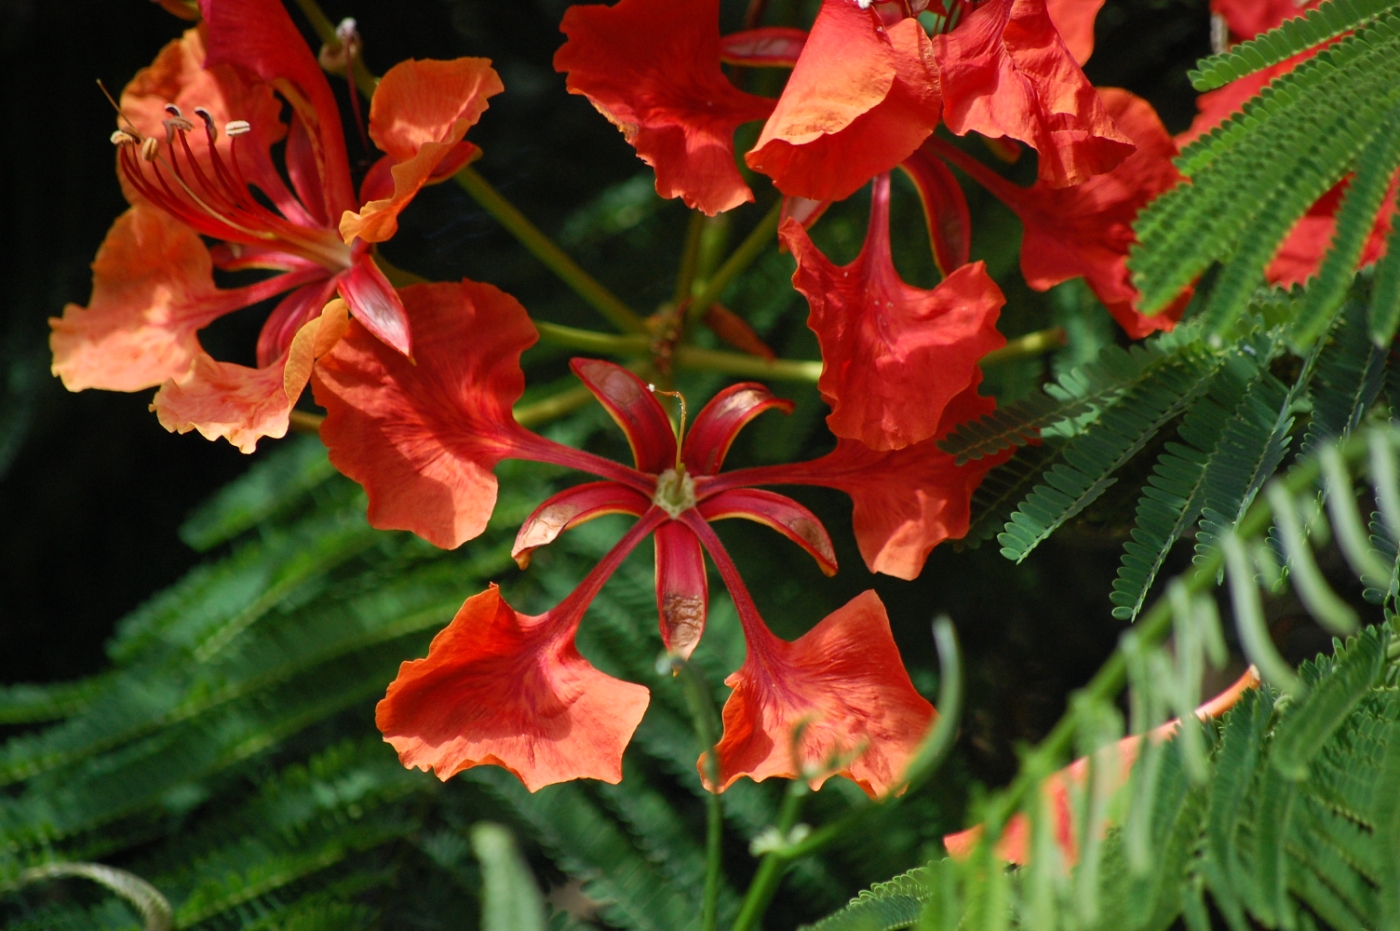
92,489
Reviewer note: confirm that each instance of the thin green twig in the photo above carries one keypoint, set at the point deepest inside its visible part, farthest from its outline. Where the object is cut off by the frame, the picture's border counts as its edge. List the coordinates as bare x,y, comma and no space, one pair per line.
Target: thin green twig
740,259
702,710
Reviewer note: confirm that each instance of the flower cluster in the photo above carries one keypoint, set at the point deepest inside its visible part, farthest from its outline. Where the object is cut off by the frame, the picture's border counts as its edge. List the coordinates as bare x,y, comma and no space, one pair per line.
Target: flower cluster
418,383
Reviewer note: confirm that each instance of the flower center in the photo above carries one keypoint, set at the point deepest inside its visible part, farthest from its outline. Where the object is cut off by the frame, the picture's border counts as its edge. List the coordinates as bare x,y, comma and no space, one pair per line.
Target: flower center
214,198
675,492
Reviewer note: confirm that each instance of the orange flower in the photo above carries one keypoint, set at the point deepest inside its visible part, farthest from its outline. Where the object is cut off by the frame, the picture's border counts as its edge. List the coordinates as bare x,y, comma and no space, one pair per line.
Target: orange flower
194,157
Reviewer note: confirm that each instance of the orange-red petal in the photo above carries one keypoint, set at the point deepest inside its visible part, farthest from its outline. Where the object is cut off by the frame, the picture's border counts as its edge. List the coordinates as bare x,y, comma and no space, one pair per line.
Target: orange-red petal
423,438
861,98
502,688
708,440
241,404
843,683
893,355
652,67
1006,72
421,110
682,588
1074,21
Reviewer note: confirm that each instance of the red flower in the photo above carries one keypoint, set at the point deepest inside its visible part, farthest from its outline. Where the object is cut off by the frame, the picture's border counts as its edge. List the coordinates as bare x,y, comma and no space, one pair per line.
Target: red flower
652,67
194,157
862,97
893,355
1006,71
1086,230
422,438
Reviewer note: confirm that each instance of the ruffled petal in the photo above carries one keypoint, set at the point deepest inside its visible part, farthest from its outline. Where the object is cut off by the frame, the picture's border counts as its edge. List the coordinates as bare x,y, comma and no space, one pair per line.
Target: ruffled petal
844,684
632,403
861,99
652,67
781,513
498,687
420,112
708,440
1086,230
241,404
893,355
423,438
571,507
259,36
1006,72
1074,21
682,588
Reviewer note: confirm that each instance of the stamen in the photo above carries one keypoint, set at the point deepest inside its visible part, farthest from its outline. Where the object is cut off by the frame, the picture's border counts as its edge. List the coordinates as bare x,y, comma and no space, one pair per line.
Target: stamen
174,111
125,137
237,128
209,127
680,432
150,148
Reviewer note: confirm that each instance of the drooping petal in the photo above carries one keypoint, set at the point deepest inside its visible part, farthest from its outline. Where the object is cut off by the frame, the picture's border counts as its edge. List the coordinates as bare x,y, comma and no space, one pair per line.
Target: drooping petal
1086,230
1245,19
1074,21
893,355
500,688
708,440
423,438
241,404
375,303
682,588
946,213
861,98
652,67
571,507
420,112
152,290
259,36
907,501
781,513
1014,844
1006,72
844,685
634,406
767,47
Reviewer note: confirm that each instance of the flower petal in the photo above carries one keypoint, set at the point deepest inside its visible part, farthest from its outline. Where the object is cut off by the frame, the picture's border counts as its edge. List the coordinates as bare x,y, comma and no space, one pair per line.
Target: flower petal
765,47
571,507
259,36
420,112
781,513
893,355
946,213
682,588
1074,21
423,438
1006,72
652,67
152,290
498,687
861,99
241,404
376,304
719,422
1087,229
631,402
844,680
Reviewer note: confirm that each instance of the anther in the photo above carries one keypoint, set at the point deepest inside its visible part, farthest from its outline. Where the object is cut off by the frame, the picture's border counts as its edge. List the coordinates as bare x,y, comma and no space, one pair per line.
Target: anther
174,111
237,128
209,127
150,148
124,137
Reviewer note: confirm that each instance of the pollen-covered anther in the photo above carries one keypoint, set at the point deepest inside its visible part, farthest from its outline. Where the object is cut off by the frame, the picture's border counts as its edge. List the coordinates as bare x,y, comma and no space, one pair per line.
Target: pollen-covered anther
150,148
125,137
675,492
237,128
209,126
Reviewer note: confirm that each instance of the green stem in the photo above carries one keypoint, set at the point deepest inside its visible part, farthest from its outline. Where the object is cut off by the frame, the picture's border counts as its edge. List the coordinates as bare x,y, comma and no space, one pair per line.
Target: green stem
690,256
1024,347
325,31
702,710
593,341
544,249
734,363
553,407
740,259
771,867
